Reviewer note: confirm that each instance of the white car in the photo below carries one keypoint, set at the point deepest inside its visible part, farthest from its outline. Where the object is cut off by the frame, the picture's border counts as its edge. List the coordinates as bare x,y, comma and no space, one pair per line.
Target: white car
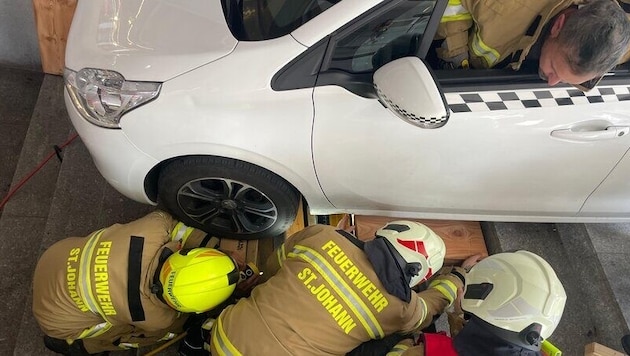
226,112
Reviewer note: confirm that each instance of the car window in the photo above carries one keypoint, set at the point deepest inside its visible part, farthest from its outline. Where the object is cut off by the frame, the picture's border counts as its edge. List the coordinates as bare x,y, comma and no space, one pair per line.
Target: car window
527,77
257,20
392,34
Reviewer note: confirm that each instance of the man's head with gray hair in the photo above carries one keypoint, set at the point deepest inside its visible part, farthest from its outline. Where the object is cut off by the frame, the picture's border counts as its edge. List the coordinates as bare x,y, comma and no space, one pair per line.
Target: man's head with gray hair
585,43
595,36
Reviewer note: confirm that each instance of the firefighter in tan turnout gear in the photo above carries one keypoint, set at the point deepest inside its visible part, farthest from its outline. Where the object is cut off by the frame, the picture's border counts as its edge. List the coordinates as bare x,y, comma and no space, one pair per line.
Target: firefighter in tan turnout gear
513,302
330,292
569,41
128,285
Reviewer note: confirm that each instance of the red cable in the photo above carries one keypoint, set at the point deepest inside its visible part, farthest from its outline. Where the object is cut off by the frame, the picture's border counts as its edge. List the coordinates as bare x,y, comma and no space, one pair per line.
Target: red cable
34,171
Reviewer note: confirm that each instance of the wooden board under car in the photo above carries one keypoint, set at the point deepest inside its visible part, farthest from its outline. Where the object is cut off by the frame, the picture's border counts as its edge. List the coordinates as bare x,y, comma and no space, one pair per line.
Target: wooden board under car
462,238
595,349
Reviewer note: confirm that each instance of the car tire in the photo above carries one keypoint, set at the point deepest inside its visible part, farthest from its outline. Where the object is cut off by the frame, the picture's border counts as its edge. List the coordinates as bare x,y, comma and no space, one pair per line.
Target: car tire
227,198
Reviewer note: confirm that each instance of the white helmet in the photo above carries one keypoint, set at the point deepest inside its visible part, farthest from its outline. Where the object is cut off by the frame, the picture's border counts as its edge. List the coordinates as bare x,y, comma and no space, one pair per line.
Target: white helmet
421,248
517,292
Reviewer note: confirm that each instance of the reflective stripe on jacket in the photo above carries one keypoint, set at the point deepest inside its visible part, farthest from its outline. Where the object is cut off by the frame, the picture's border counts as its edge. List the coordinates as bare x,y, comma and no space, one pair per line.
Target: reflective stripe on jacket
455,11
98,288
324,299
504,28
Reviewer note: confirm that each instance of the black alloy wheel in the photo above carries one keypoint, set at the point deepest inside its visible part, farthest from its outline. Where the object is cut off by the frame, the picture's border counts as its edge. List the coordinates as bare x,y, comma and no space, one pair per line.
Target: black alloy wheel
227,198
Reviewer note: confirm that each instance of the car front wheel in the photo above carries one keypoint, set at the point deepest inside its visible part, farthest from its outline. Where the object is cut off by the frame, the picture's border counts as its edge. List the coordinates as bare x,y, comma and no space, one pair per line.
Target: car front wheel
227,198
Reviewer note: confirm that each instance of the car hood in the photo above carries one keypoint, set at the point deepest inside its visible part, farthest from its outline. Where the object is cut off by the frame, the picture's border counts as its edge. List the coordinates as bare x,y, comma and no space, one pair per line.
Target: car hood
148,40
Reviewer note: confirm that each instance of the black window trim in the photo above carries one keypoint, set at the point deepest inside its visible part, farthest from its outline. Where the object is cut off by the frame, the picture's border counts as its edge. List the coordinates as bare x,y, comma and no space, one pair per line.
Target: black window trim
361,83
432,26
350,27
452,80
297,73
496,79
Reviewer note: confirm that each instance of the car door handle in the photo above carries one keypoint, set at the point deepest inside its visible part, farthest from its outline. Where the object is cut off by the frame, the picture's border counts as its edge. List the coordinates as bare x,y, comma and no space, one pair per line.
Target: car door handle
587,136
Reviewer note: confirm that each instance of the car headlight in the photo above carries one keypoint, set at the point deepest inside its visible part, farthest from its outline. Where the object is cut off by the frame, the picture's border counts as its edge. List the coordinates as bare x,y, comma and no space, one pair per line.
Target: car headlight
104,96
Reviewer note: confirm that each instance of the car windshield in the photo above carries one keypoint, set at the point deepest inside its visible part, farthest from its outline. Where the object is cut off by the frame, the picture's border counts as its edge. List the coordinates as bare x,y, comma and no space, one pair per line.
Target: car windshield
257,20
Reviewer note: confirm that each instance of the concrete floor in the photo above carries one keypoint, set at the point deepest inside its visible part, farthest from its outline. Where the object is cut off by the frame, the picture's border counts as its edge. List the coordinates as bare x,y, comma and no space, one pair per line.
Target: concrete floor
70,198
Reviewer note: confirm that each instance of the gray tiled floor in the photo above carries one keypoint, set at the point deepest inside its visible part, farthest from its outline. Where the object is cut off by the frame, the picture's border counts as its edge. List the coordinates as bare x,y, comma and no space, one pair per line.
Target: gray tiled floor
612,245
71,199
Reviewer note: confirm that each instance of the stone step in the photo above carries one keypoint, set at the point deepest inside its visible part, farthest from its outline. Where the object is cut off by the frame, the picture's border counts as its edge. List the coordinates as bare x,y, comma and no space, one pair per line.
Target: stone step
24,217
19,90
611,243
61,200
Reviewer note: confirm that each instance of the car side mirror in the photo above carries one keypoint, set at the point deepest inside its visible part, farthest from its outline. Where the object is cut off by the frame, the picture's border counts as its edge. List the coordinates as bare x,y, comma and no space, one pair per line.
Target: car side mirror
406,87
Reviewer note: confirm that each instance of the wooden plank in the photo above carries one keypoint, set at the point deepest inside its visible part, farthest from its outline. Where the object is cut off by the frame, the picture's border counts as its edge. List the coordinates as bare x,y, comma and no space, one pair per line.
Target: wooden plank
53,18
237,247
265,249
462,238
299,223
252,251
595,349
335,218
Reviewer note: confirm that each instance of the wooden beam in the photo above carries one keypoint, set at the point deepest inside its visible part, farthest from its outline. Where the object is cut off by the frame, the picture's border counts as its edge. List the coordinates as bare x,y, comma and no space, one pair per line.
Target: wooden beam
299,223
53,18
462,238
595,349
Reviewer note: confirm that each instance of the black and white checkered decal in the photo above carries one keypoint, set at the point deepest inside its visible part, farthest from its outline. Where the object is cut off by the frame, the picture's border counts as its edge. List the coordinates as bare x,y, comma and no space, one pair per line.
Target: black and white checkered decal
526,99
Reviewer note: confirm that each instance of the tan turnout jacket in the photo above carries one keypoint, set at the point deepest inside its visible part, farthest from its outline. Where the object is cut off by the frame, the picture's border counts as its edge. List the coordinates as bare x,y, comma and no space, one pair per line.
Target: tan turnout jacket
501,28
324,299
98,288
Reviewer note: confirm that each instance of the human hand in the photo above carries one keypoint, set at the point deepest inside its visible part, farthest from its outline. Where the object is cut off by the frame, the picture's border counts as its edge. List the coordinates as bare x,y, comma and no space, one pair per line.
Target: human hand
250,277
450,60
471,261
344,224
238,259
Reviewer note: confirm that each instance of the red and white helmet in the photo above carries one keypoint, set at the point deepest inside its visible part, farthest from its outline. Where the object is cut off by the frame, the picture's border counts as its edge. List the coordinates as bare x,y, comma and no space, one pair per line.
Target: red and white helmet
418,245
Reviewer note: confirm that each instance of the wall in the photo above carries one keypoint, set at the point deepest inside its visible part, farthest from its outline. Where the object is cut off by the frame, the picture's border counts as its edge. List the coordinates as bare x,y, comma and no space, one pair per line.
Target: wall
19,46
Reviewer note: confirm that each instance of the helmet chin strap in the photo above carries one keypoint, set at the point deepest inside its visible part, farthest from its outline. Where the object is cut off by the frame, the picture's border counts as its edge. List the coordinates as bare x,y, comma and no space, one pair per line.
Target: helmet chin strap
392,269
409,270
156,287
529,338
412,269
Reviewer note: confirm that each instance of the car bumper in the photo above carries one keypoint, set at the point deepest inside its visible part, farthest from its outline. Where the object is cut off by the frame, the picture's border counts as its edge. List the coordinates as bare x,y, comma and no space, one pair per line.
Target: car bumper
120,162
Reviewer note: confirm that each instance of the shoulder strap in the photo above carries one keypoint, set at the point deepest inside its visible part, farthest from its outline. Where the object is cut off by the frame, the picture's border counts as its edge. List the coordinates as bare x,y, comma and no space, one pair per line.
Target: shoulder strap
156,287
355,241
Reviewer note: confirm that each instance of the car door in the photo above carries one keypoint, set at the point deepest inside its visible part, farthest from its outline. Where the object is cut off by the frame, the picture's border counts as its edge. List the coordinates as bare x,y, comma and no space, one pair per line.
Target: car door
611,199
510,151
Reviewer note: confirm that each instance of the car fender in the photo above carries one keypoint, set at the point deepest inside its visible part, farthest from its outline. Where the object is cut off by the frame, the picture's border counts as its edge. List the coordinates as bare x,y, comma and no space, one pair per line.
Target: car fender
305,182
243,120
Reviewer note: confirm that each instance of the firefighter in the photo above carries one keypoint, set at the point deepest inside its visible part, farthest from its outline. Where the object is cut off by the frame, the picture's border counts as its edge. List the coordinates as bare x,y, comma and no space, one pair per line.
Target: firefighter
128,285
331,292
513,301
570,41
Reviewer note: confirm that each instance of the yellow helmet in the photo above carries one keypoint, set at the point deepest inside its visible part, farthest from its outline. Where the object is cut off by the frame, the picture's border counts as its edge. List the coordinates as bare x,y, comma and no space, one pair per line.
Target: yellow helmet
197,280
